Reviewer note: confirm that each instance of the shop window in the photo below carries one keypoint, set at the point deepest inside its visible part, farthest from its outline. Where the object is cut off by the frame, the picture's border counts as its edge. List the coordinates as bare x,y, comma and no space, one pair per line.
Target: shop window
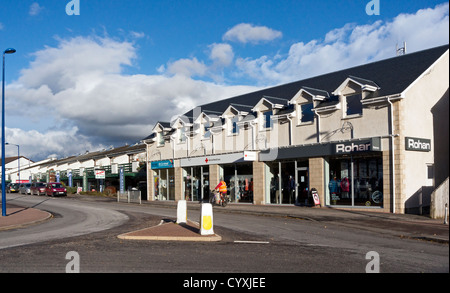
239,180
354,105
363,187
307,114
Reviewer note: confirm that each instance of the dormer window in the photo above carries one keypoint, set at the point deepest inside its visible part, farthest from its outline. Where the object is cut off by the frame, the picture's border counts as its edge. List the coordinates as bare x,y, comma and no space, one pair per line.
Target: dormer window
266,118
207,130
182,134
233,127
306,114
353,91
160,139
353,105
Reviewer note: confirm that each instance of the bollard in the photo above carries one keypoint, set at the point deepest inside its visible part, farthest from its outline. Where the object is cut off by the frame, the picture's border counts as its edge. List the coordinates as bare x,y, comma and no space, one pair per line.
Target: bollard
182,212
206,220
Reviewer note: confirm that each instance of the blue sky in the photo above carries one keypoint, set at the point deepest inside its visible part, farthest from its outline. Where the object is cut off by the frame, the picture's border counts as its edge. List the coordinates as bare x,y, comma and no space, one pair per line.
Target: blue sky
104,77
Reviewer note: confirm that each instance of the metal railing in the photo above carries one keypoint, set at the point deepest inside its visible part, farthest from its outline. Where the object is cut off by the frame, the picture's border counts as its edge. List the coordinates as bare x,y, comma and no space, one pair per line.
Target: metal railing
129,196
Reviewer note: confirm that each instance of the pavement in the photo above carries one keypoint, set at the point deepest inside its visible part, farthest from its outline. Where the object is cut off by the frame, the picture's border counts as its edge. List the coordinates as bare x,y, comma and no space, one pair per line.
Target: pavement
19,217
401,225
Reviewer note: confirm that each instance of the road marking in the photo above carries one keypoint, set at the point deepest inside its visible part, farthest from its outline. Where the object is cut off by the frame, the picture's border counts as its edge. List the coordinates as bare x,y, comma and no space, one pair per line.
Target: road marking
251,242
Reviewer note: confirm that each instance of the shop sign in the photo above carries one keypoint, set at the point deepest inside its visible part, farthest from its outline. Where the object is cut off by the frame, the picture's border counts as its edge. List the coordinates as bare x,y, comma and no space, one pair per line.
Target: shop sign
250,156
355,147
324,149
212,160
100,174
167,164
417,144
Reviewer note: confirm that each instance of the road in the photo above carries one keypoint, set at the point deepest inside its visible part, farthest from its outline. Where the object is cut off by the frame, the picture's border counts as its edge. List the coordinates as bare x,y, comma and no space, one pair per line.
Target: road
271,244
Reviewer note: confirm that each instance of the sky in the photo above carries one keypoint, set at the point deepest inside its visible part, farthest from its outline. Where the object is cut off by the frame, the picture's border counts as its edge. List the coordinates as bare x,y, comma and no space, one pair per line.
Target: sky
91,74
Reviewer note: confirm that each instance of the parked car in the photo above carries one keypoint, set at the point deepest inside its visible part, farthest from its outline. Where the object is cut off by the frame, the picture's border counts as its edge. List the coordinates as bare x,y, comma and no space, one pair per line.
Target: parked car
25,188
55,189
12,188
38,188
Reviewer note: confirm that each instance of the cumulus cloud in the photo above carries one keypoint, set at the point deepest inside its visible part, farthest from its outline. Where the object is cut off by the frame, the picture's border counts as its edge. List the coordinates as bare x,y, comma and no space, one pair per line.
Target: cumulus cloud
221,54
248,33
187,67
63,143
351,45
82,81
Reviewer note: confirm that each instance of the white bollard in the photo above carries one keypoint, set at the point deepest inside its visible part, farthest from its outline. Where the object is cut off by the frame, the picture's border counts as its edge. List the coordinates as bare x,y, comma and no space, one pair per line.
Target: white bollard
206,220
182,212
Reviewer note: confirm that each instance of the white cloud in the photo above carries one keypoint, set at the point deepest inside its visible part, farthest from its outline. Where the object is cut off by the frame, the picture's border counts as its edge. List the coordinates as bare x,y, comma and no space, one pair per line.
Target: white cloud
352,45
36,145
248,33
80,83
221,54
187,67
1,26
35,9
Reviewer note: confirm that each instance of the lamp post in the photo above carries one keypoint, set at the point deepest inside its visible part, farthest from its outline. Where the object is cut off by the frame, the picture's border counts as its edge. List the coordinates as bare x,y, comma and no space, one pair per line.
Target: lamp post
7,51
18,158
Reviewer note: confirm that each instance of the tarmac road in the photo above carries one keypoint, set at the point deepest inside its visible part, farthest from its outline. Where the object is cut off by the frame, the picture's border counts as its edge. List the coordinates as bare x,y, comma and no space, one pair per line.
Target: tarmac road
294,240
69,220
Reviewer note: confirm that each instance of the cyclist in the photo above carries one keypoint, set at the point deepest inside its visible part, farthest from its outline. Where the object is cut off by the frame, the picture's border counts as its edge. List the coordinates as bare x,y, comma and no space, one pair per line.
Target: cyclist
222,187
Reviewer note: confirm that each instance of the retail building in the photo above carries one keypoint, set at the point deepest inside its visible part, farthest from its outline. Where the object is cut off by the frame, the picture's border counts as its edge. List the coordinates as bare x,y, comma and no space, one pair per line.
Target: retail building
363,137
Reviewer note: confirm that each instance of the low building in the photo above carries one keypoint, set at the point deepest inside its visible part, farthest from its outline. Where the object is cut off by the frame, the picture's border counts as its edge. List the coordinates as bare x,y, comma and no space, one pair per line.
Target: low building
117,168
363,137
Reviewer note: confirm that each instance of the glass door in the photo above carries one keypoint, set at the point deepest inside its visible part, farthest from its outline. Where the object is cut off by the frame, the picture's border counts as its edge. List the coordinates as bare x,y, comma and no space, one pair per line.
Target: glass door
302,185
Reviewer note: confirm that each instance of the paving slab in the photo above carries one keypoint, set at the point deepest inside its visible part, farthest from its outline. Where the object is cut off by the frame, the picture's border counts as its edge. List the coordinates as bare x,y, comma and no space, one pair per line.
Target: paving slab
171,231
19,217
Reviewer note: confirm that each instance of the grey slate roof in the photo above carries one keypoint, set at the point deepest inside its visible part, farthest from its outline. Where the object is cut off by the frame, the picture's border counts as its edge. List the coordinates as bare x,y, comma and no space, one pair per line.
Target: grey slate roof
391,76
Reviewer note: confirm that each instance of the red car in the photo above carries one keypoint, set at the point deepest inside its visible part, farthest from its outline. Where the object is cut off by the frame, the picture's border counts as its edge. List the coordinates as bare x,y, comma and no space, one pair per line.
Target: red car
55,189
38,188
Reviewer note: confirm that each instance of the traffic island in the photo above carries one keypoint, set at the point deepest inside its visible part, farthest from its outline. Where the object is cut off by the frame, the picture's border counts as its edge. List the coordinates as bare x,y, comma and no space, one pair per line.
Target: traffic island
171,231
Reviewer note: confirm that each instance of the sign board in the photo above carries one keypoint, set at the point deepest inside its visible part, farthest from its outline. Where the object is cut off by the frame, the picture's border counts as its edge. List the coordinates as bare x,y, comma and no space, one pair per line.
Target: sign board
417,144
315,196
357,146
100,174
212,160
122,180
250,156
167,164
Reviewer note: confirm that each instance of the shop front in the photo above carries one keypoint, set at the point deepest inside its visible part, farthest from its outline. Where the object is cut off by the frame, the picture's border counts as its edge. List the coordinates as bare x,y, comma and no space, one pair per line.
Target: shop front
163,180
350,174
202,174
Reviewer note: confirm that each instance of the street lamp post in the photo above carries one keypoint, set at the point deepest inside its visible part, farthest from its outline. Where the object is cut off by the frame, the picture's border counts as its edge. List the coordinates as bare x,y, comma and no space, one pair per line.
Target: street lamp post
7,51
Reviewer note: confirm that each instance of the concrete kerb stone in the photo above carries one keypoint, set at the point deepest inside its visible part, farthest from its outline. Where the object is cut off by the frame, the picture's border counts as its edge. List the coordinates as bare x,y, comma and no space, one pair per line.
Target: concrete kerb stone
171,231
22,217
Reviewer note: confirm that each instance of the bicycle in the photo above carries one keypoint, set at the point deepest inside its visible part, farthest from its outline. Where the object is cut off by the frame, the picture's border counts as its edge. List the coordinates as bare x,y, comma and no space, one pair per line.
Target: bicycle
218,199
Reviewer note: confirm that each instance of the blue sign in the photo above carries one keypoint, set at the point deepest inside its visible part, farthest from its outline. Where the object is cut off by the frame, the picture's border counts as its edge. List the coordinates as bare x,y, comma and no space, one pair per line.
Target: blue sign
70,179
122,180
167,164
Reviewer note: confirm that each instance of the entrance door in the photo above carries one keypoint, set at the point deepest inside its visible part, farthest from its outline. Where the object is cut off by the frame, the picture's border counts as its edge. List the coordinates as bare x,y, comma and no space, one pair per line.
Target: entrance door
302,185
205,184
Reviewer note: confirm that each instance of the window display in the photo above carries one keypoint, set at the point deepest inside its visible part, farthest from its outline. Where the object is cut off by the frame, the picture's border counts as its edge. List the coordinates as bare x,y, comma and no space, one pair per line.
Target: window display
362,187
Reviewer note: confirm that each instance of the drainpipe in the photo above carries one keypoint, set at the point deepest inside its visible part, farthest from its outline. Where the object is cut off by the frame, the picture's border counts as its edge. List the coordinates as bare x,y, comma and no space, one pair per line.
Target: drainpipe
318,126
291,132
391,107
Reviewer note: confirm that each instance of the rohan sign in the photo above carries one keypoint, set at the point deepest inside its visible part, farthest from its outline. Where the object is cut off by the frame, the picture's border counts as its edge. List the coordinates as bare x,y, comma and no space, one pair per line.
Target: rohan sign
417,144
